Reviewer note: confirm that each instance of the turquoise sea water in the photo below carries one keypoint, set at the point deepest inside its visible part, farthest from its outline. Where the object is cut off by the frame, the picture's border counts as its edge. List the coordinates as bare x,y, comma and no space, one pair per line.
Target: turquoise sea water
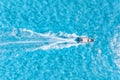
37,40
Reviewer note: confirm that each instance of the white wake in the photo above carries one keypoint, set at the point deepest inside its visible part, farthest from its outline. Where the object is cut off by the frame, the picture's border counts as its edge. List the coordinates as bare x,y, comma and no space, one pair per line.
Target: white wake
31,41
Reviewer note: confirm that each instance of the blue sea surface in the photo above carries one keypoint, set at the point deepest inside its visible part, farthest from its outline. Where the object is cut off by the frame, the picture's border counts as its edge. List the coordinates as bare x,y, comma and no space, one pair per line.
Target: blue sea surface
37,39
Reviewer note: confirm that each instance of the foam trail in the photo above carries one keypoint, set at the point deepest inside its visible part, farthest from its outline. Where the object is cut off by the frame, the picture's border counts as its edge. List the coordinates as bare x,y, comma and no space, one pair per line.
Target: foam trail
19,42
32,41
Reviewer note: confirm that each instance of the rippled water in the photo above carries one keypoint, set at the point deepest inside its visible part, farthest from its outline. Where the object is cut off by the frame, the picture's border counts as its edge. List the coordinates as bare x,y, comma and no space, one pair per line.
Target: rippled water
37,40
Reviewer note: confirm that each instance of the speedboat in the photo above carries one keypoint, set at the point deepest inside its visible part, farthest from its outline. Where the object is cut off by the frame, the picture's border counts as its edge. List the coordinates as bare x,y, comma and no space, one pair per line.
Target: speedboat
84,40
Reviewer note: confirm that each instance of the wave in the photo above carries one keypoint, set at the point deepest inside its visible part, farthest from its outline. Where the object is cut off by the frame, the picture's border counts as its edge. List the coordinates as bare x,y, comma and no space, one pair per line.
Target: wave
115,45
31,41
